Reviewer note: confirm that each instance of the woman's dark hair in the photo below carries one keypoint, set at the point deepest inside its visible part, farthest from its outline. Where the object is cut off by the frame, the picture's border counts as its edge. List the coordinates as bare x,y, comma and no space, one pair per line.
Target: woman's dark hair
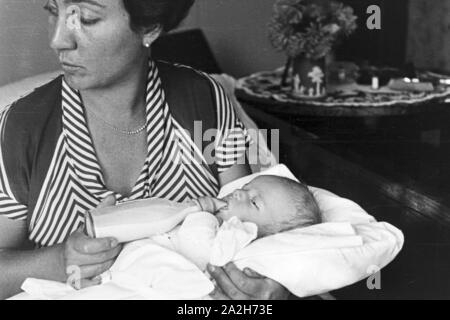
146,14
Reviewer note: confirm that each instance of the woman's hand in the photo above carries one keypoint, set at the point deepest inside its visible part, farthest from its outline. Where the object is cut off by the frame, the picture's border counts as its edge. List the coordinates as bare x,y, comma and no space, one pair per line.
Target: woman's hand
232,283
84,258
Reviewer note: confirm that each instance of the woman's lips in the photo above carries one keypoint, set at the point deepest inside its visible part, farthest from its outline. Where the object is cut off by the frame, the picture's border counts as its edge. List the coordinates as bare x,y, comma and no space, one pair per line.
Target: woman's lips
68,67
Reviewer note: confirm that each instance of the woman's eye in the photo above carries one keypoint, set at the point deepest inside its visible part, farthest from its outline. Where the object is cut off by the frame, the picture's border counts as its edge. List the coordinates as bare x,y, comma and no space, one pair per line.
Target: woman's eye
254,204
88,18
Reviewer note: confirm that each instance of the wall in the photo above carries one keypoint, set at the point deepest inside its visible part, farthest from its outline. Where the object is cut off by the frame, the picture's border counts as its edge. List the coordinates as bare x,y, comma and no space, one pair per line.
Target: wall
24,49
237,32
429,34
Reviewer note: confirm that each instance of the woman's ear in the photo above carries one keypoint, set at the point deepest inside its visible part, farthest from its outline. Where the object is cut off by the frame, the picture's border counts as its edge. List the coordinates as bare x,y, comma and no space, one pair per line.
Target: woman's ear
150,35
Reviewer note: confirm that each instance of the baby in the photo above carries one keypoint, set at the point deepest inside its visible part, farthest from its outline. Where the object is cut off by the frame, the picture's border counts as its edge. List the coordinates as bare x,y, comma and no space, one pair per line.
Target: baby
222,227
265,206
273,203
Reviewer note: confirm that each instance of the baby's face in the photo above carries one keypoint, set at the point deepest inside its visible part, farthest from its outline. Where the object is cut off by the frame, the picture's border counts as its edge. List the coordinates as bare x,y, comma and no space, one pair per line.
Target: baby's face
264,201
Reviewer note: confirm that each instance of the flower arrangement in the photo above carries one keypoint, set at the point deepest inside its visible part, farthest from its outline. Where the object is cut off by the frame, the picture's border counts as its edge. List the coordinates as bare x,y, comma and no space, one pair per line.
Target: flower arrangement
309,28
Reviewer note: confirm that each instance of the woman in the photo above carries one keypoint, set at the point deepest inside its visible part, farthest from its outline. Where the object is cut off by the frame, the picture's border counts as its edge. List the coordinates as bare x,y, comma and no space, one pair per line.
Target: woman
113,128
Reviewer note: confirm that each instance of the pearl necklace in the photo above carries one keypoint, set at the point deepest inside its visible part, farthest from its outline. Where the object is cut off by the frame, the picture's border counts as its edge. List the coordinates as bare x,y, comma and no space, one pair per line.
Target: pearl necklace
126,132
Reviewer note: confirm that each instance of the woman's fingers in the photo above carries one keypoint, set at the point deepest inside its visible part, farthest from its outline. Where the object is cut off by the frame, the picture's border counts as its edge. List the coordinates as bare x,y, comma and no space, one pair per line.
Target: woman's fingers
226,284
101,256
256,285
83,260
86,258
249,285
96,246
107,202
94,270
238,285
86,283
218,294
81,268
78,283
87,245
252,273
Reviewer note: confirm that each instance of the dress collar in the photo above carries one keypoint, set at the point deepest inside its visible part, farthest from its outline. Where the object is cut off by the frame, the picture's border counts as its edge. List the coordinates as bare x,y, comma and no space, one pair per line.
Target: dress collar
81,148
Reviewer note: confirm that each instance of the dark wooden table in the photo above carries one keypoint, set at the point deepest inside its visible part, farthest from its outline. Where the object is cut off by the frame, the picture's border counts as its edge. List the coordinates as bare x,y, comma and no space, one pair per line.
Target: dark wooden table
396,169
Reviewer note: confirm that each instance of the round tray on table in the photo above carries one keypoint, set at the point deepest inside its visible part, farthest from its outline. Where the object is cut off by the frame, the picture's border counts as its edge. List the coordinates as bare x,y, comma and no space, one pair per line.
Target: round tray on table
348,100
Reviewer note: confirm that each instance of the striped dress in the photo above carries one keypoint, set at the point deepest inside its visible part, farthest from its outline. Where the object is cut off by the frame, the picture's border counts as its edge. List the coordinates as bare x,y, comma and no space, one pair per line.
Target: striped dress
50,174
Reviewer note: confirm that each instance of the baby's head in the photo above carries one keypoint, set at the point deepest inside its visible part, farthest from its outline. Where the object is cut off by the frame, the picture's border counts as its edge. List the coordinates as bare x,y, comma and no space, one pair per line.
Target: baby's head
274,204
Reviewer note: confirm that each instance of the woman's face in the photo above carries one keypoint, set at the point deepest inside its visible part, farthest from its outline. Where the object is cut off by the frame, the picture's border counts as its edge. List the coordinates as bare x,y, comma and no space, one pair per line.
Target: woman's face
94,42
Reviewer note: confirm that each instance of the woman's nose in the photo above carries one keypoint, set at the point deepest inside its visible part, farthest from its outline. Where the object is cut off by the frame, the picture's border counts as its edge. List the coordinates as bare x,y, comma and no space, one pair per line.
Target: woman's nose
62,37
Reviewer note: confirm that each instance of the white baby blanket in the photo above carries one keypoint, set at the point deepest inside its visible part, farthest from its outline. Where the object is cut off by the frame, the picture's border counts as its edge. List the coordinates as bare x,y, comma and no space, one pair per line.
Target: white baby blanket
144,270
341,251
200,240
152,268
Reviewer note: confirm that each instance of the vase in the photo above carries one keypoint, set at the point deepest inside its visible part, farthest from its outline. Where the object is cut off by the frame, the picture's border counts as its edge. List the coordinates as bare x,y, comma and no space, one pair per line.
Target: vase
309,78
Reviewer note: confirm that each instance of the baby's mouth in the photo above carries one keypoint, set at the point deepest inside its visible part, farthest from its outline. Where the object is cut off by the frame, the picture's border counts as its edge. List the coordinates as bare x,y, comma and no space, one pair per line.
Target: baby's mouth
224,208
225,205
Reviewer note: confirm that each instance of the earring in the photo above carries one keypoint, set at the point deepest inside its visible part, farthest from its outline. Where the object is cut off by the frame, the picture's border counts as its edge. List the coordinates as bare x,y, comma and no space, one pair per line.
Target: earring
147,45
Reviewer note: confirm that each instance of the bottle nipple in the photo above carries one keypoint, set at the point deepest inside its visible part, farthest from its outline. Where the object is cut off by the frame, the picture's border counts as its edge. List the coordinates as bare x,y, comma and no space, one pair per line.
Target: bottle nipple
211,205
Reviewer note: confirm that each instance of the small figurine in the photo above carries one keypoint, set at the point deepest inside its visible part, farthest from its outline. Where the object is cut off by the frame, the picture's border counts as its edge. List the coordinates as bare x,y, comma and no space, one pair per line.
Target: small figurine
316,76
